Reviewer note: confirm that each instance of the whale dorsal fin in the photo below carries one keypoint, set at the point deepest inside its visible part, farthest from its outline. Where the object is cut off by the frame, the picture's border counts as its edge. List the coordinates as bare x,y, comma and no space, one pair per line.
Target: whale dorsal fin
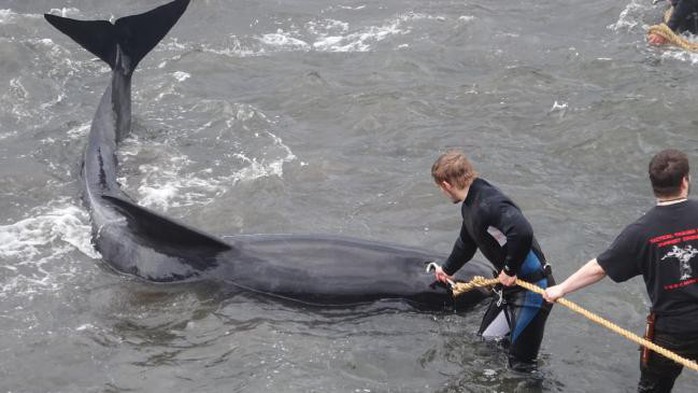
195,247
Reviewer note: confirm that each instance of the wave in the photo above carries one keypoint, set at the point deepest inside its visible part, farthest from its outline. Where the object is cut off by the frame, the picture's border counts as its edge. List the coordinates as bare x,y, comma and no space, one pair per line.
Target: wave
30,248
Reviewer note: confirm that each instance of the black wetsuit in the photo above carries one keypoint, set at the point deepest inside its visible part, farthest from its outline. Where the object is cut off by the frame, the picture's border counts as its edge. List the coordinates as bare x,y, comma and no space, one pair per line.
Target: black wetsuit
684,17
662,246
496,226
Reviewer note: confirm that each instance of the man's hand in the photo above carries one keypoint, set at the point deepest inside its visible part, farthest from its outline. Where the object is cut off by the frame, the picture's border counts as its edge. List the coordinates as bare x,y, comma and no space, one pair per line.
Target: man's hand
656,39
441,275
553,293
506,280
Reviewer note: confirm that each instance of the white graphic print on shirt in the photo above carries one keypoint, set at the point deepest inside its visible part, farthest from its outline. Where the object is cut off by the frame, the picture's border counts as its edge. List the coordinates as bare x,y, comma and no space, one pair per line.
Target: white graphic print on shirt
684,256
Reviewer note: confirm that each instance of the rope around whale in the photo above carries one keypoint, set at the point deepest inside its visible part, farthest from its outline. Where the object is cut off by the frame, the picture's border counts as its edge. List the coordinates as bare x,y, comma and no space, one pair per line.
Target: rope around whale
478,281
665,32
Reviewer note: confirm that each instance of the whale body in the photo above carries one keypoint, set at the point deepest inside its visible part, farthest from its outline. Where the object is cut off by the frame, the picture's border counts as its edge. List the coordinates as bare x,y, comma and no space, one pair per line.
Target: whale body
133,240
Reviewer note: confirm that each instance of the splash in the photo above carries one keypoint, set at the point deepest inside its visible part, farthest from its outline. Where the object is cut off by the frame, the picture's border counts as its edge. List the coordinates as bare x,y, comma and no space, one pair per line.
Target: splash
631,16
322,35
159,174
30,248
674,53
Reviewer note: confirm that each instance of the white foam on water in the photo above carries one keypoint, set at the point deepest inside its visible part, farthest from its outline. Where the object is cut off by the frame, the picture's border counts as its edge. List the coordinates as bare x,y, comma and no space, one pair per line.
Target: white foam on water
284,41
17,95
31,247
346,7
168,88
327,26
236,48
79,132
172,44
559,106
181,76
62,222
364,39
325,35
7,16
361,40
466,18
258,168
674,53
168,184
167,179
22,92
270,155
8,134
65,12
631,16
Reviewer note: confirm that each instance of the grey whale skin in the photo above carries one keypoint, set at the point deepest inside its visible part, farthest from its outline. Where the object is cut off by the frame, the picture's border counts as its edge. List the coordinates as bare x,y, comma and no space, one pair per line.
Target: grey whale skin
133,240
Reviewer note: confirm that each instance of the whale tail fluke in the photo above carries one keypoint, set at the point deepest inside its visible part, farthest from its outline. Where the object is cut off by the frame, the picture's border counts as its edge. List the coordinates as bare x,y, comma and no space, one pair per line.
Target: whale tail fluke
136,35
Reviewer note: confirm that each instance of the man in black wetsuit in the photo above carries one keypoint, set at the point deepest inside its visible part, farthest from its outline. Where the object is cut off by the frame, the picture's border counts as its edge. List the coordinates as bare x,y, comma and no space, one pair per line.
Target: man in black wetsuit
496,226
662,246
684,17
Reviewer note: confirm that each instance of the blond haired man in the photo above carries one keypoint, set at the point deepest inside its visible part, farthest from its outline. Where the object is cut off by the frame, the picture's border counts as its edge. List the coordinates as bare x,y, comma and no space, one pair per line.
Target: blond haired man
493,224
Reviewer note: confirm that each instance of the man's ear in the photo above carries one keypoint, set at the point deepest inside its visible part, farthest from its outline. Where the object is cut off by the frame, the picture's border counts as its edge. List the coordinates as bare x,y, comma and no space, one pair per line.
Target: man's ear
446,185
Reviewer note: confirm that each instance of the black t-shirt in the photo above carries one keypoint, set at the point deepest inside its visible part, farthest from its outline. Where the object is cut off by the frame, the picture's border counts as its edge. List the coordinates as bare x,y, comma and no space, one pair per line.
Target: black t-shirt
662,246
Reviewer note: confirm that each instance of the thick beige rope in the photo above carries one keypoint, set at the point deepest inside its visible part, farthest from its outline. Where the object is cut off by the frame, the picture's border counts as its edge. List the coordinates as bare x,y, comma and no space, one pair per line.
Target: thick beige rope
665,32
476,282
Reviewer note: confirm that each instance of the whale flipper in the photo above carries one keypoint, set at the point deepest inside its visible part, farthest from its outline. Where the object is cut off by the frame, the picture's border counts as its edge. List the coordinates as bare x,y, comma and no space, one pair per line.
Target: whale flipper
136,35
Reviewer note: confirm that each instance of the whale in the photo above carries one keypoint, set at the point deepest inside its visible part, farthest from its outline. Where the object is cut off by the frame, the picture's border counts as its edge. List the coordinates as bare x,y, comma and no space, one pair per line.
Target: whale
312,270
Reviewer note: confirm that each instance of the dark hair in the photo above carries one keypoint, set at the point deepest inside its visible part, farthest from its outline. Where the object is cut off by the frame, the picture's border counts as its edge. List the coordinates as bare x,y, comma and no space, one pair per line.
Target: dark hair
667,170
454,168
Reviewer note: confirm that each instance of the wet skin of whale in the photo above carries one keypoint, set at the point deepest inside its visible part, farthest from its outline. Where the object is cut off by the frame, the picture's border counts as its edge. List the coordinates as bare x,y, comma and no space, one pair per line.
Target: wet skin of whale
133,240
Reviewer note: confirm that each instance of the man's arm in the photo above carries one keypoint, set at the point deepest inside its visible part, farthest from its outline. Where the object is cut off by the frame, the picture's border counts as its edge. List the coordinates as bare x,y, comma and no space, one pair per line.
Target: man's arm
588,274
462,252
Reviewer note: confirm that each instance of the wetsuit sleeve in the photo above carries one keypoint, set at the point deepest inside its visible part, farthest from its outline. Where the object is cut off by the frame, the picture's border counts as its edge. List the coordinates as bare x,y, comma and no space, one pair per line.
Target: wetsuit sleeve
509,220
683,11
621,261
462,252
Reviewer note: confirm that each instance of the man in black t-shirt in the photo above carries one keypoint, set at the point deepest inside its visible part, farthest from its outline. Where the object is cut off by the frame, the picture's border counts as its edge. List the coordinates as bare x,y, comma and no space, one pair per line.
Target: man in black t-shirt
493,224
662,246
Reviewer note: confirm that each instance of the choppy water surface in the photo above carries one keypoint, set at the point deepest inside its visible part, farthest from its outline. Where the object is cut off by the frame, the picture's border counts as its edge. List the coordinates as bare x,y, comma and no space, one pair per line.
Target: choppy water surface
324,117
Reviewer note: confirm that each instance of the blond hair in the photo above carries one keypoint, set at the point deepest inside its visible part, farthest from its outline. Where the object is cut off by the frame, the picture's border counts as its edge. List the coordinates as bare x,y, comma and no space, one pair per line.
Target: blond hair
455,168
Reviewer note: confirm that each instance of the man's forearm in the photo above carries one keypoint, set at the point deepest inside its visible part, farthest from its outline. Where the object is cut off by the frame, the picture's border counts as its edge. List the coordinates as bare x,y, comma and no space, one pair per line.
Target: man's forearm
585,276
